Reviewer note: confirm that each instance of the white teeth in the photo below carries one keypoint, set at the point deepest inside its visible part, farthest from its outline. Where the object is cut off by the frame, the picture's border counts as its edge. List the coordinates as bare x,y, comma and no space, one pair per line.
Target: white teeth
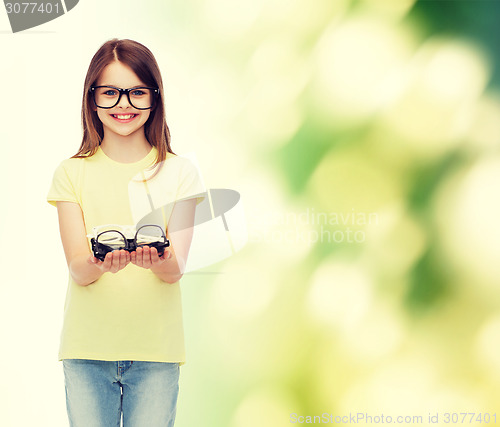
123,116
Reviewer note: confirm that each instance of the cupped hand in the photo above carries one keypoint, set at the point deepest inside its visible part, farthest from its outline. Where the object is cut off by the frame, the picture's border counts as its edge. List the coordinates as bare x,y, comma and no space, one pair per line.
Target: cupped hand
113,262
147,257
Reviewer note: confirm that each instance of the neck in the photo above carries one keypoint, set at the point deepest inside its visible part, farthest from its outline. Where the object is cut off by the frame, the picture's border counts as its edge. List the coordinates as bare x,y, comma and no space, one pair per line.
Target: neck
126,149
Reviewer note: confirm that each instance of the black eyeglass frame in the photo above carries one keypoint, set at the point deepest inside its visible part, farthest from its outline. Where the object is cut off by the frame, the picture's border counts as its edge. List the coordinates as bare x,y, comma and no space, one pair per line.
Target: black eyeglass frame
156,92
100,249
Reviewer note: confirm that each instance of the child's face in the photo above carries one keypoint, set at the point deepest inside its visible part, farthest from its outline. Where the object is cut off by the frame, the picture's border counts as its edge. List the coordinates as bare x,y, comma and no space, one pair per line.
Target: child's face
122,119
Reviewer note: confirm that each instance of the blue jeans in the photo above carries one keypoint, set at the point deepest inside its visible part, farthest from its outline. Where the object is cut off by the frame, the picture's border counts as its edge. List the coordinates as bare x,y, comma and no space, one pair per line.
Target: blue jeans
98,392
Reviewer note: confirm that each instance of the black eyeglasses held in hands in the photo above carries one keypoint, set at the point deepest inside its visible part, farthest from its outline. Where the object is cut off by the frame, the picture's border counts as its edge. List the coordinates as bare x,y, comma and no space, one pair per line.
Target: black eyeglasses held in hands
114,238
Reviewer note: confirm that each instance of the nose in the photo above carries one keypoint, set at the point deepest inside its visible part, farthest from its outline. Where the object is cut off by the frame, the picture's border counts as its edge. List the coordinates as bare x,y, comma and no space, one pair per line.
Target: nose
123,101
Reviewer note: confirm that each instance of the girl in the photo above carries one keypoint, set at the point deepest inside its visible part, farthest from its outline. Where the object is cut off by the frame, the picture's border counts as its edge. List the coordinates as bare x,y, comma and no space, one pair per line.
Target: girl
122,338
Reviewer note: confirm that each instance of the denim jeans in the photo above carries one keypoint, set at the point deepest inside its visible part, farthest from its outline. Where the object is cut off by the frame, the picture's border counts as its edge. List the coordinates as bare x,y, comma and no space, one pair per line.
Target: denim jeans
99,392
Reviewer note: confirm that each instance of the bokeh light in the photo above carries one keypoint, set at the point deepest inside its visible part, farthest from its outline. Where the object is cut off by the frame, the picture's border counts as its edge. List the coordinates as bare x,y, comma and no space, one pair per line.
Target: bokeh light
468,212
357,61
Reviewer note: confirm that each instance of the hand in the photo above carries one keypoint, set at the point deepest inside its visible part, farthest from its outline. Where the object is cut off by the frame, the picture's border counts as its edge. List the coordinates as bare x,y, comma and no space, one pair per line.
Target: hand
147,257
113,262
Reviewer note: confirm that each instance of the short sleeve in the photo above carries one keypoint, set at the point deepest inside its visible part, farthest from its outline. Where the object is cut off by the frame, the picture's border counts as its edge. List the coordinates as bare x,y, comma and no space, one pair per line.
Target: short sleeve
62,189
190,183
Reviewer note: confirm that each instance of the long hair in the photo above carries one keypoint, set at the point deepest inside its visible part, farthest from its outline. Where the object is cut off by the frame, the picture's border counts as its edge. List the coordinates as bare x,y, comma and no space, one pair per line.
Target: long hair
140,59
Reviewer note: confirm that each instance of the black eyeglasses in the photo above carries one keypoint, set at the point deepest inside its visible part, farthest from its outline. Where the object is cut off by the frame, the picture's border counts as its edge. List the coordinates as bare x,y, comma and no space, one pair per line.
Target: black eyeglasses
141,98
113,238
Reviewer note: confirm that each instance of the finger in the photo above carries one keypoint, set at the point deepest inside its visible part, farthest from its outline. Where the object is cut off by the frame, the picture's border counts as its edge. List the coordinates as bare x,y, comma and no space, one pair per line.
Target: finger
166,255
133,257
115,264
119,259
146,257
106,265
139,257
154,256
123,259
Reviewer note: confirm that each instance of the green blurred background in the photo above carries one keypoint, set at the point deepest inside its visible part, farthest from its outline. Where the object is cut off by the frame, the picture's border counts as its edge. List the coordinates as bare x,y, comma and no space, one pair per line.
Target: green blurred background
370,282
363,136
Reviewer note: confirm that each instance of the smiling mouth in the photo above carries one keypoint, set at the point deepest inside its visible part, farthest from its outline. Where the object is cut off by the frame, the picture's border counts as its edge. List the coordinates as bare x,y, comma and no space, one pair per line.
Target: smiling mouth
122,117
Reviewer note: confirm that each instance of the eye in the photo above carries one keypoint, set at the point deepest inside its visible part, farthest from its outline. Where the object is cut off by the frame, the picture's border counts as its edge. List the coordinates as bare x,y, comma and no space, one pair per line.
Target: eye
110,92
139,92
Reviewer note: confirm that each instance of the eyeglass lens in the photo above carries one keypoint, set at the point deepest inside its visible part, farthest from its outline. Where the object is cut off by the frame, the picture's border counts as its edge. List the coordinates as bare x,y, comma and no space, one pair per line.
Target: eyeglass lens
146,235
149,234
113,239
107,97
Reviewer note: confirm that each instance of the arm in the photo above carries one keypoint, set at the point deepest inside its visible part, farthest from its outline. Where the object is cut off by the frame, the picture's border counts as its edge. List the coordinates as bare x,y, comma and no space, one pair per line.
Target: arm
83,266
171,266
